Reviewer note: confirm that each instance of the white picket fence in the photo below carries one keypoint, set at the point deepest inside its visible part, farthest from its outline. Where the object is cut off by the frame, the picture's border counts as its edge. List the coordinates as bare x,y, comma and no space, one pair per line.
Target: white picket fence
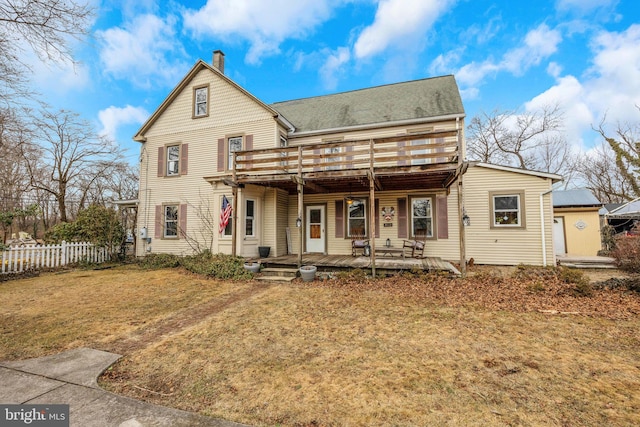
18,260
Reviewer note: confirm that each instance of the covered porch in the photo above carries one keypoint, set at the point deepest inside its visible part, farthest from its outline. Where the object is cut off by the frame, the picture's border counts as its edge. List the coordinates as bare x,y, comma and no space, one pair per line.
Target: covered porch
384,264
428,161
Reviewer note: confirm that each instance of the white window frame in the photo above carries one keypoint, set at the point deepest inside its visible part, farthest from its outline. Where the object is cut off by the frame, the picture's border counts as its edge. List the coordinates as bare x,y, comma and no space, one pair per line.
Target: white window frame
250,219
233,139
166,221
201,112
428,218
518,210
356,202
173,160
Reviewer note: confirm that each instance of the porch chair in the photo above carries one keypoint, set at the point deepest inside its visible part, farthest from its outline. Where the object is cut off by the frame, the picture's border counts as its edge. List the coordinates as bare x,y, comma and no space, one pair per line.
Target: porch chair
358,242
417,245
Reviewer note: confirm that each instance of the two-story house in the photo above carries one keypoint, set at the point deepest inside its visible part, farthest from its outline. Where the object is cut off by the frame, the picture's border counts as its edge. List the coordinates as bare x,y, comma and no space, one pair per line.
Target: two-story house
306,176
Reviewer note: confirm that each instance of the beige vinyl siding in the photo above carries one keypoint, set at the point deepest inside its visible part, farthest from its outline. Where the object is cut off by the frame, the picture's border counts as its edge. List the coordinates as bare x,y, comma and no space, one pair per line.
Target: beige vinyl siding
375,133
444,248
281,222
231,112
506,246
227,107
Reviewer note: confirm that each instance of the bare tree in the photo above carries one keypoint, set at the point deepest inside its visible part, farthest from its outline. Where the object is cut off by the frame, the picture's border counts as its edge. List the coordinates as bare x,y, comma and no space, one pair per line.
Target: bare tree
601,175
71,157
625,145
44,27
528,141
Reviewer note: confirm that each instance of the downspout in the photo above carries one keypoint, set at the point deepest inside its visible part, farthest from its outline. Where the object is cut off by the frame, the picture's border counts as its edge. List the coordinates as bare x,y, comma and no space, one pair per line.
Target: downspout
542,228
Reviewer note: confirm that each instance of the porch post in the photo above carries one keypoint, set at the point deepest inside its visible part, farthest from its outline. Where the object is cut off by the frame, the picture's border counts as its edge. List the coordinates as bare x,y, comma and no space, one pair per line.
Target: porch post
300,205
234,221
461,228
234,209
372,210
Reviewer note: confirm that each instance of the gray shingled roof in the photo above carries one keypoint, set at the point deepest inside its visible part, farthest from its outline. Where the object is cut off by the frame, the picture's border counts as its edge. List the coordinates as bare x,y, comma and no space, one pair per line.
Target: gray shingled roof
418,99
575,198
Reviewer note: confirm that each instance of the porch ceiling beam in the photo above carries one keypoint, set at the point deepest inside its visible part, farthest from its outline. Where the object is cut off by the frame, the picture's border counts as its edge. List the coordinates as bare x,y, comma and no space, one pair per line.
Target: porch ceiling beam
376,181
461,169
310,185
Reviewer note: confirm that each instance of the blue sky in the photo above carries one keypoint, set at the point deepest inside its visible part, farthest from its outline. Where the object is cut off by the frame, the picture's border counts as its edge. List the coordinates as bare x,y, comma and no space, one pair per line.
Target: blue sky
506,55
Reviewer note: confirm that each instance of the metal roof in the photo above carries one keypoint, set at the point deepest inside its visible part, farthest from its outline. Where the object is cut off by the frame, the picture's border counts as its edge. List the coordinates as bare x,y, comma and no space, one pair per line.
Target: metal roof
399,102
628,210
574,198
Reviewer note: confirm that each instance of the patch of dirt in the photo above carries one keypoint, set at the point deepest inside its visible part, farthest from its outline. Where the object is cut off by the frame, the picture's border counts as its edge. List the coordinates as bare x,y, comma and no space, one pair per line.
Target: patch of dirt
181,320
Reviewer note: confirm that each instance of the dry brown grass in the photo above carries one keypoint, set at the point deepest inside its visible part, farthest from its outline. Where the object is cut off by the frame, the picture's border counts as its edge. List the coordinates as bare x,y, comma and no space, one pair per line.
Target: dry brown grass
405,351
59,311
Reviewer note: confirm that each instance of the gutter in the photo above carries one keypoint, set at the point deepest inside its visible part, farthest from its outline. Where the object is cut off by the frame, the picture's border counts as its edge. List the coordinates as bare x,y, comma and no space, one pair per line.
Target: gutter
376,125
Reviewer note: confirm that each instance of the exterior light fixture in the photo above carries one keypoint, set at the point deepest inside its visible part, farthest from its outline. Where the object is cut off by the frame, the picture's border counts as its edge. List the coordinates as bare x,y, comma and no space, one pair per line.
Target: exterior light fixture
299,222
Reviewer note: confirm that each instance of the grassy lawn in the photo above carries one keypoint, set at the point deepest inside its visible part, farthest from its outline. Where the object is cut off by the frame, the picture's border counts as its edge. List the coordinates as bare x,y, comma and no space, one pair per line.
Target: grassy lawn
403,351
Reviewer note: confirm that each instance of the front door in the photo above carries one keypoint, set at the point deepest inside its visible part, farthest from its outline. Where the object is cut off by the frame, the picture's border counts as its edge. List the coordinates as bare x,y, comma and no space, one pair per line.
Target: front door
315,229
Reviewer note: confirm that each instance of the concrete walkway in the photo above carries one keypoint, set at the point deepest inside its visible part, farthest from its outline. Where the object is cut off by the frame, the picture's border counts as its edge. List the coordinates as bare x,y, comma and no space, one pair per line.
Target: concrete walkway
71,378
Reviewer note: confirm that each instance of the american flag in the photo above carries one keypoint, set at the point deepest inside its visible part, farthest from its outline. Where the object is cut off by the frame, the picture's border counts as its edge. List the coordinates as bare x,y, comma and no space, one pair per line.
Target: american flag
225,213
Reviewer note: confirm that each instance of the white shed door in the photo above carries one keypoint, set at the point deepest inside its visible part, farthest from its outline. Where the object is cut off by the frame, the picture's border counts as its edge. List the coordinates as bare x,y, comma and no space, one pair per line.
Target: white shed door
558,236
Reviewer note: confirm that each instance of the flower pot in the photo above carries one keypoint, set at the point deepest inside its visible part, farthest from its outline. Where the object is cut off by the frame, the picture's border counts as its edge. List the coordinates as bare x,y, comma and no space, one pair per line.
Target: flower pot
253,267
308,272
264,251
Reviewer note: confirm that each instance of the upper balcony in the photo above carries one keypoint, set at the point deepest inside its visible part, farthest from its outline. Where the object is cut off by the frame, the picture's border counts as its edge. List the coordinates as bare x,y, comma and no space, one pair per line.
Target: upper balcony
428,160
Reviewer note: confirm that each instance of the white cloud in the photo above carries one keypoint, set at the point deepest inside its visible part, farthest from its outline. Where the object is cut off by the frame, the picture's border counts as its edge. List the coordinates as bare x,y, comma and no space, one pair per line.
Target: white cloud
610,88
67,75
333,66
112,118
398,20
445,63
140,50
264,24
538,44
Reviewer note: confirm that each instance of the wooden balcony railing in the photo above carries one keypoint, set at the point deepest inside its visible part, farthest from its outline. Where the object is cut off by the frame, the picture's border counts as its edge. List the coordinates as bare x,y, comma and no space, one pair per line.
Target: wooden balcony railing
428,148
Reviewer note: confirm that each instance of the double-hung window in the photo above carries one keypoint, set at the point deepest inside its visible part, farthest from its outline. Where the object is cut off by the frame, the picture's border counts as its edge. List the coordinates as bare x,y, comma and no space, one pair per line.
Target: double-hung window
507,210
201,101
234,144
173,160
421,217
249,218
170,221
356,217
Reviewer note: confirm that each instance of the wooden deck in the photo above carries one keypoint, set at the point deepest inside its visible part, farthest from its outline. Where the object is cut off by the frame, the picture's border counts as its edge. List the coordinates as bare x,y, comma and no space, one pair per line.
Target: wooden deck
384,264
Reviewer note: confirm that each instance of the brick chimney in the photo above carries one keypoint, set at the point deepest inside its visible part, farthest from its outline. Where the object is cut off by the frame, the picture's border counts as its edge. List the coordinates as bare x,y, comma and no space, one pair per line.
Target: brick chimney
218,60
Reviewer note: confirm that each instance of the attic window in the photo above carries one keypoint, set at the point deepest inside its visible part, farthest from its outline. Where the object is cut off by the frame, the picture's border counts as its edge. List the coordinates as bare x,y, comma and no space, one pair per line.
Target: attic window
201,101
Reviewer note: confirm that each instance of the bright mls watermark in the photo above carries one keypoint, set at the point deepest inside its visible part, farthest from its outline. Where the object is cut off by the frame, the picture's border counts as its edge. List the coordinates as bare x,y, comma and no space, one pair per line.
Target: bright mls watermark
34,415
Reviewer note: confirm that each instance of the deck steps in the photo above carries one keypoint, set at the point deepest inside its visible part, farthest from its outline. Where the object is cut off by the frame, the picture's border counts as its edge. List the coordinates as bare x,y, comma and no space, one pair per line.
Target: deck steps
586,261
277,275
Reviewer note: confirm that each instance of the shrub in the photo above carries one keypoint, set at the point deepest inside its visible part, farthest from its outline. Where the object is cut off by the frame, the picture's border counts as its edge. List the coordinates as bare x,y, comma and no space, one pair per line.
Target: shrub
627,253
156,261
220,266
572,276
534,273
